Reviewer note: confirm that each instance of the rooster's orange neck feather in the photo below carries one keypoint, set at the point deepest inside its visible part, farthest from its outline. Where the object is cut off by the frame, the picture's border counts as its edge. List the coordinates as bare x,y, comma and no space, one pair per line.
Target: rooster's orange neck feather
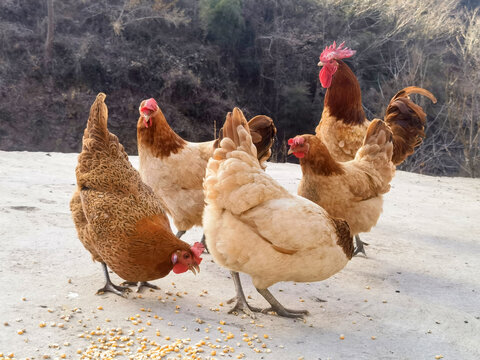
159,137
344,98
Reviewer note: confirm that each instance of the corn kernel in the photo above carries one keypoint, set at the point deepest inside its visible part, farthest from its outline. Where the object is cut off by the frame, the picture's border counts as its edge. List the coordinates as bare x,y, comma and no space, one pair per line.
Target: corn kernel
373,337
342,337
20,332
42,325
100,307
213,353
438,357
222,322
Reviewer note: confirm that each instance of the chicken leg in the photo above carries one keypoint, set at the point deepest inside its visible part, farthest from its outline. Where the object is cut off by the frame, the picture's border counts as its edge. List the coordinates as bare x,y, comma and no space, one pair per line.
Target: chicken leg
359,248
109,286
204,243
278,308
141,285
242,304
180,233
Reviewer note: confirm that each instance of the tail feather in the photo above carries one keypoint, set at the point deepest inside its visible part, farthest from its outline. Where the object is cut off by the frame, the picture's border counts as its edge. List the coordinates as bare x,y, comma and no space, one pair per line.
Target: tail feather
407,121
97,122
375,158
236,135
380,136
103,163
262,131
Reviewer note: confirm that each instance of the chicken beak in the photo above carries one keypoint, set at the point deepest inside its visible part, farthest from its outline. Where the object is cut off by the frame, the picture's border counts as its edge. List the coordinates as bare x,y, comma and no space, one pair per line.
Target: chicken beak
146,119
290,152
320,63
194,268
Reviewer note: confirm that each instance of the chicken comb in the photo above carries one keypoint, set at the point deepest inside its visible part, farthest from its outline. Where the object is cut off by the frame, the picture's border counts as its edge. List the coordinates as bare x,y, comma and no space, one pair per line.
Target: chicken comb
150,104
298,140
197,250
334,52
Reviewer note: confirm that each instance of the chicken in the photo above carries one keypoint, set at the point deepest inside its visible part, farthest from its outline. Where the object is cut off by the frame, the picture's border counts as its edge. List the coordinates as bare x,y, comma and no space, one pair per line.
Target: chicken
353,190
255,226
175,168
349,190
343,124
118,218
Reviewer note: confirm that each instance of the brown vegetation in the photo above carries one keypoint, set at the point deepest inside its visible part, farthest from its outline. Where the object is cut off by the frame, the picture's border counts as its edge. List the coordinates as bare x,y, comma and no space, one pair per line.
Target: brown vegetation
262,59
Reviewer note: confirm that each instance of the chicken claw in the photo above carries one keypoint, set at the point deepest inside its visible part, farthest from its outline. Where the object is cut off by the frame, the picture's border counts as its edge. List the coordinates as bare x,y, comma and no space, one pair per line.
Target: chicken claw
278,308
242,304
360,246
141,285
110,287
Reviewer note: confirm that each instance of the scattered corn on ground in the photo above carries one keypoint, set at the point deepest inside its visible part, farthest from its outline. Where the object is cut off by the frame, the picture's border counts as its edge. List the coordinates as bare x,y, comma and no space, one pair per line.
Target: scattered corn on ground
135,341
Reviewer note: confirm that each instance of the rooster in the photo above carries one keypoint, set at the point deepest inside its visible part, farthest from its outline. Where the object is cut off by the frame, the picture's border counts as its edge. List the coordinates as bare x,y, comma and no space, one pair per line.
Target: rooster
253,225
175,168
353,190
343,124
118,218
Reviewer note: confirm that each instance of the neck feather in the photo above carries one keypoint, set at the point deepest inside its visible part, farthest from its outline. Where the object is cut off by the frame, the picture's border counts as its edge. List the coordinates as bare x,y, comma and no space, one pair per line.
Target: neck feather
318,160
344,98
159,137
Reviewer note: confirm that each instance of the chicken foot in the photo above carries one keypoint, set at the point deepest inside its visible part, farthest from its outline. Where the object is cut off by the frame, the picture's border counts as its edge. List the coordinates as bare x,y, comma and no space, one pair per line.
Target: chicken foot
109,286
360,246
140,285
242,304
278,308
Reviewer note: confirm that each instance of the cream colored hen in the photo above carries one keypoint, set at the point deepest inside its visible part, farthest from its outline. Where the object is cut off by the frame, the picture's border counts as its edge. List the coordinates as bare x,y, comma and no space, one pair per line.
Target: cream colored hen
253,225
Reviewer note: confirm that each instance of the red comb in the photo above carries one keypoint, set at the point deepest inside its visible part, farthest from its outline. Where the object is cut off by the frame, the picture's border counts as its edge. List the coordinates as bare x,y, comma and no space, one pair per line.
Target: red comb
334,52
197,250
298,140
150,104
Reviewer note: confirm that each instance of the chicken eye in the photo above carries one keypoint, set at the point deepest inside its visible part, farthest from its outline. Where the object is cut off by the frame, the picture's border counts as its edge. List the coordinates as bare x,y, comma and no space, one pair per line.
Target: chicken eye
186,256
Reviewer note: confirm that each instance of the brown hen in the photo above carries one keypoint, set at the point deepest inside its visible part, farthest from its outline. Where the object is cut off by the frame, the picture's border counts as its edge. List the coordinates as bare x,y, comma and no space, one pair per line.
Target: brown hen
118,218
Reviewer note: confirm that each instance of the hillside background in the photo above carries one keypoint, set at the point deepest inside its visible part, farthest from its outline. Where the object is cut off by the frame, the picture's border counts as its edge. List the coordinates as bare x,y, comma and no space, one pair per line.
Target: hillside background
201,58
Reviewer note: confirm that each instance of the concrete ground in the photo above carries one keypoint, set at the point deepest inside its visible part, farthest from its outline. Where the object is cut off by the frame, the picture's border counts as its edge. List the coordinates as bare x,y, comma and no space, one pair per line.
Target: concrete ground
416,295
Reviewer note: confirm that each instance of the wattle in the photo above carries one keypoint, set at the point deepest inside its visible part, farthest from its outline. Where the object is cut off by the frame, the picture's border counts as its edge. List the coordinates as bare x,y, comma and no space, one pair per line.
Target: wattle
180,268
326,75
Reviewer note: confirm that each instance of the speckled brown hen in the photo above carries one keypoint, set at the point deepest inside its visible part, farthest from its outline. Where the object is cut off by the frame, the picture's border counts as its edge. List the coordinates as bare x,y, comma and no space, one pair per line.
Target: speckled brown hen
118,218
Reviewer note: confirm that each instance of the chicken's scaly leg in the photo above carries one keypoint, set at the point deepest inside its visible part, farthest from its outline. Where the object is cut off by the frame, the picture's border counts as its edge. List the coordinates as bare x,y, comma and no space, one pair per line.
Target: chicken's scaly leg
109,286
241,304
141,285
359,248
278,308
180,233
204,244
